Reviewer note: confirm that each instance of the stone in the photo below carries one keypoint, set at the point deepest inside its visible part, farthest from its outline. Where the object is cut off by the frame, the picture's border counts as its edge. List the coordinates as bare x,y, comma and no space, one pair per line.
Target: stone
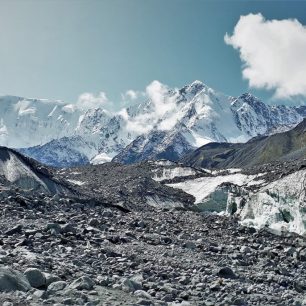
68,228
302,255
14,230
94,222
245,249
144,302
12,280
57,286
41,294
226,272
83,283
35,277
130,285
54,228
51,278
142,294
190,245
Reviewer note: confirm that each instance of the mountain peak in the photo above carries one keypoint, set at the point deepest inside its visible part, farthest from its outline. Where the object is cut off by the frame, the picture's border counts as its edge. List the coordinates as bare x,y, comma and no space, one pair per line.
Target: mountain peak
194,87
196,82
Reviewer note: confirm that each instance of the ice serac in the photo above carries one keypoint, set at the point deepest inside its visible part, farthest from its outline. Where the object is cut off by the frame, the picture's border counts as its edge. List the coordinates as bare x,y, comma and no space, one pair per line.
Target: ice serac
279,205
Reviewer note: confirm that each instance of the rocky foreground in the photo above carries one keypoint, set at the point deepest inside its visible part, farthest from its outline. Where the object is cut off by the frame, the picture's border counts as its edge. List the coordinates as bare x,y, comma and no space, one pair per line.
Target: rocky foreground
56,251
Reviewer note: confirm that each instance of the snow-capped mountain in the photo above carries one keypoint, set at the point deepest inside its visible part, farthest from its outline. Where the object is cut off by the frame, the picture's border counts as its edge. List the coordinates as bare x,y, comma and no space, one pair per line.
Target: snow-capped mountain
166,125
204,115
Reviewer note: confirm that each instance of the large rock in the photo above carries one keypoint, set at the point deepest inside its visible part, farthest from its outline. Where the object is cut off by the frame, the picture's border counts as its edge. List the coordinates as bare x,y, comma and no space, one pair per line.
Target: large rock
51,278
35,277
54,228
82,283
14,230
226,272
132,284
11,280
57,286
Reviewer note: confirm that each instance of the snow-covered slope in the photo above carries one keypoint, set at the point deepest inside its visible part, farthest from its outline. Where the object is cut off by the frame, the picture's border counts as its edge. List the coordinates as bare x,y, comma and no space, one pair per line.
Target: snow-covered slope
166,126
203,115
30,122
66,151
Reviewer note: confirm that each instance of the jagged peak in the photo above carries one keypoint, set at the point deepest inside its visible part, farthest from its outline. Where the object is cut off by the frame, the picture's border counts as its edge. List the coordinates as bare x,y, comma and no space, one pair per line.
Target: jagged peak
247,96
197,82
195,87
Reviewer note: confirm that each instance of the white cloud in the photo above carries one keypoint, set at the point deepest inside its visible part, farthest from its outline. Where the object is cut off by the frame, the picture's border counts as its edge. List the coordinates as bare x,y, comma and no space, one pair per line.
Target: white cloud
88,100
273,53
162,101
162,112
132,95
141,124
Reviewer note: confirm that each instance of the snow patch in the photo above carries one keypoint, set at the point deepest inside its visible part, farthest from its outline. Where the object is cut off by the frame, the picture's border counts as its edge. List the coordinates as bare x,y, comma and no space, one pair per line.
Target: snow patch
76,182
101,159
202,187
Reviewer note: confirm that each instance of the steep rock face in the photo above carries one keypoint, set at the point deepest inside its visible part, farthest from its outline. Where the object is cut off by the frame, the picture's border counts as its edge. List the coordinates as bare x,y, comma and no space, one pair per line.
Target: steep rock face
187,119
66,151
256,118
156,145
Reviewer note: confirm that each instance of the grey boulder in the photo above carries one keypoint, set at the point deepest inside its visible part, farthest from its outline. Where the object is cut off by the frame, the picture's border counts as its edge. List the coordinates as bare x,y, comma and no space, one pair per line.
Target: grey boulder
83,283
35,277
11,280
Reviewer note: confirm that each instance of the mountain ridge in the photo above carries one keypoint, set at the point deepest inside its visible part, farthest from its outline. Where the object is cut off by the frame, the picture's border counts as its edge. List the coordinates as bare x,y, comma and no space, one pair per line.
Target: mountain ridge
265,149
196,112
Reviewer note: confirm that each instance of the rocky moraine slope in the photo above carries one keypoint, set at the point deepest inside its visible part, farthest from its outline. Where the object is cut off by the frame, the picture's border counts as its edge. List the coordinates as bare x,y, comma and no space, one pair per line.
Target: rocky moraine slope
145,234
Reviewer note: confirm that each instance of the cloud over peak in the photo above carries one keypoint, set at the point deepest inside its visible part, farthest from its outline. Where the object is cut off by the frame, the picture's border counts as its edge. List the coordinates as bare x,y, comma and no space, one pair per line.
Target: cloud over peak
88,100
273,53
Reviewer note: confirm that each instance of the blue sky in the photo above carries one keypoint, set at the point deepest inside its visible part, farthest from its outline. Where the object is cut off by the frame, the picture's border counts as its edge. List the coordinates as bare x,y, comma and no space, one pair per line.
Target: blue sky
59,49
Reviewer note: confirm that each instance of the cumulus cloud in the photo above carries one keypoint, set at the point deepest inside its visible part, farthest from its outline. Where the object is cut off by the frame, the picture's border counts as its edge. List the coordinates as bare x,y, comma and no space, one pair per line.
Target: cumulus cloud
88,100
130,95
163,106
273,53
159,95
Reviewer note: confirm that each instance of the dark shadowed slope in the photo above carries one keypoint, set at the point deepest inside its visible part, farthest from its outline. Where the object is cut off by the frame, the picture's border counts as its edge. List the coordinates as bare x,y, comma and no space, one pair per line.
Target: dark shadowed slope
278,147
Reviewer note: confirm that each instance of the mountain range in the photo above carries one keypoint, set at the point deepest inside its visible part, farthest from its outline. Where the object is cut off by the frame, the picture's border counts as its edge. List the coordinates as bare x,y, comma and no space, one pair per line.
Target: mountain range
181,121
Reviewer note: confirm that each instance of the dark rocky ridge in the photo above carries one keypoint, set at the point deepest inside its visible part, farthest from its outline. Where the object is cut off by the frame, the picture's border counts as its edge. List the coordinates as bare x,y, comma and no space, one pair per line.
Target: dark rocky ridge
128,186
290,145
